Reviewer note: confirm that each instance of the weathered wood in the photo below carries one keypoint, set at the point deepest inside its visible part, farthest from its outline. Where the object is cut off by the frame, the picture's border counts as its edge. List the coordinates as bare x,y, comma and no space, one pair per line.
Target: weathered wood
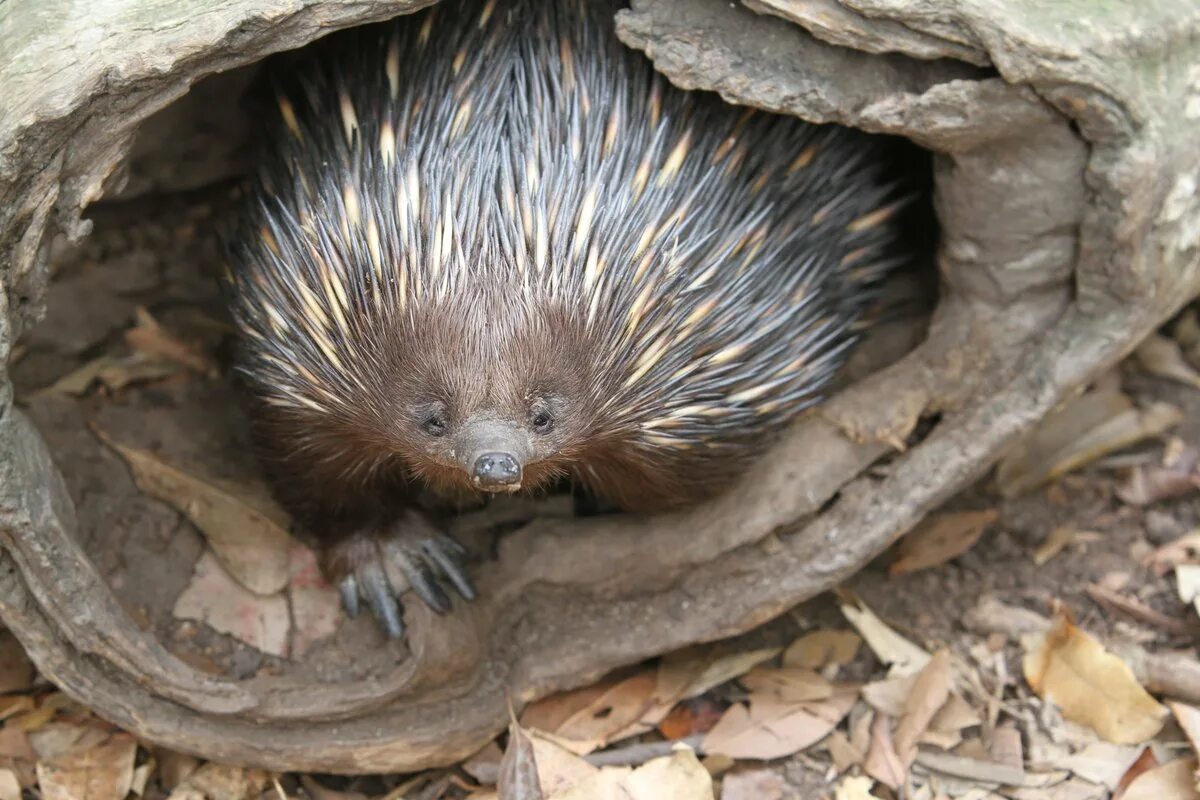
1066,194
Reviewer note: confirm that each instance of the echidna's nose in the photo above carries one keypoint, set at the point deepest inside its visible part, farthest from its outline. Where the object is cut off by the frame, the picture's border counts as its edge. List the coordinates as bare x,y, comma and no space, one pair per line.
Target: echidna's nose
497,471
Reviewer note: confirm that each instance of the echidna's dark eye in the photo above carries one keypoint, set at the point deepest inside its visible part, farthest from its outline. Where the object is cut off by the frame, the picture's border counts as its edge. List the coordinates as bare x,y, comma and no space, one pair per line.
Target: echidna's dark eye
434,425
542,421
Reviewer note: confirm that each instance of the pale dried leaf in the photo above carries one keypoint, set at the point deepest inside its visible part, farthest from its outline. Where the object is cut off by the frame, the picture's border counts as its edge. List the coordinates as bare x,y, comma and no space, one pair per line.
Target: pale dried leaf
974,770
519,778
1184,550
1091,686
844,754
57,739
679,776
788,684
1055,542
929,693
1084,429
1175,780
940,538
854,788
141,776
753,784
99,773
217,782
152,339
10,785
316,607
1187,583
1071,789
607,784
1188,718
1162,357
557,767
888,646
215,598
882,763
1101,762
607,714
955,715
771,729
245,528
819,649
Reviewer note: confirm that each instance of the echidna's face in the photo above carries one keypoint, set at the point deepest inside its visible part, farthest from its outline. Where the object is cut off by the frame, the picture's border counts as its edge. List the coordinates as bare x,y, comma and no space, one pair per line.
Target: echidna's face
493,405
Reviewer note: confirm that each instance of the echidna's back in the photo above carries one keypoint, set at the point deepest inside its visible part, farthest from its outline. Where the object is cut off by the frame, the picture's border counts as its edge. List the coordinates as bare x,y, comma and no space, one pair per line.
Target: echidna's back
717,256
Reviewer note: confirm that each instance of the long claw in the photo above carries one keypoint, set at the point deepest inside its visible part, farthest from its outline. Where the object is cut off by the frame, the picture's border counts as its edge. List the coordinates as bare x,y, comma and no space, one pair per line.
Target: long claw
448,565
349,589
381,600
425,584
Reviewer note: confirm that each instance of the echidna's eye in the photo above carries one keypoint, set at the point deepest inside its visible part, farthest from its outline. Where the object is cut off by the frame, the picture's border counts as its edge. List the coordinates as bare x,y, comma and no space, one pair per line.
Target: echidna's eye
542,421
434,425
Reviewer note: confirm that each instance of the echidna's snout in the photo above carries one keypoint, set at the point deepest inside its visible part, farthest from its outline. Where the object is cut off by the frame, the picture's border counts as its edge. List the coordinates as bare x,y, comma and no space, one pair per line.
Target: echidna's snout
493,453
497,471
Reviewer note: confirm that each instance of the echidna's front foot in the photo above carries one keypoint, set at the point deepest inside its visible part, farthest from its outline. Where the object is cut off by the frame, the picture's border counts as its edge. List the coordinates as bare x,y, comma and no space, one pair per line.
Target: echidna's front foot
376,566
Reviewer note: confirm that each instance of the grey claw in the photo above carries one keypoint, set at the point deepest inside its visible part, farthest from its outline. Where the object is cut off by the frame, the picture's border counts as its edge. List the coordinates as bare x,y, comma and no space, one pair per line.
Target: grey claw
349,589
425,584
448,565
382,602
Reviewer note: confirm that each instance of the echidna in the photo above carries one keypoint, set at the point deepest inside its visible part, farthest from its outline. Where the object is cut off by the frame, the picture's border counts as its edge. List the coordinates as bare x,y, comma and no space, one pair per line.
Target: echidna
490,247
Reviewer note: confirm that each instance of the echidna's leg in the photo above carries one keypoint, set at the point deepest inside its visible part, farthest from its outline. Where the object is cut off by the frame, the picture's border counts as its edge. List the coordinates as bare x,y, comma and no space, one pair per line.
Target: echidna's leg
377,563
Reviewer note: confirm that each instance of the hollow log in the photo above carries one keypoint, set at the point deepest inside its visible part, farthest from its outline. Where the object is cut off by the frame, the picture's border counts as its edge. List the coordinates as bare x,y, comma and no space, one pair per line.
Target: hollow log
1066,153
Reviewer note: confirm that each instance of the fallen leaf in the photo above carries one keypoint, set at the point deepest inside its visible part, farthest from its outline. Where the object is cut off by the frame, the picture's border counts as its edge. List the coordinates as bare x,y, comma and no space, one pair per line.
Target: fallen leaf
1187,583
484,765
1080,431
1172,781
216,782
10,786
842,752
1161,357
1006,747
882,763
955,715
787,684
58,739
1188,718
689,718
603,714
819,649
518,778
679,776
854,788
931,689
98,773
754,784
770,729
940,538
1056,541
1145,762
1072,670
1184,550
1150,483
215,598
174,768
889,695
888,646
244,526
316,607
141,776
1101,762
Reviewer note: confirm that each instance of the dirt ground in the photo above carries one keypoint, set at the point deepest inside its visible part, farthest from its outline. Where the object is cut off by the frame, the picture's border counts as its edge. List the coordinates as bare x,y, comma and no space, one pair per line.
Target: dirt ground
152,264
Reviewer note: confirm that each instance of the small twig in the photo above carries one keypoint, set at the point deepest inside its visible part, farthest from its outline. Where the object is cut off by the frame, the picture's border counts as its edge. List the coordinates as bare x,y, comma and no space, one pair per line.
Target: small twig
641,753
1138,610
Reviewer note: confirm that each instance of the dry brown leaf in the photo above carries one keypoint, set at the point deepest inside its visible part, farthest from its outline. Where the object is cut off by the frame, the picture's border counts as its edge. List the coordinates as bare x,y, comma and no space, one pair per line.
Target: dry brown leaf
955,715
174,768
772,729
141,776
888,646
245,528
882,763
754,784
518,778
1188,718
1082,430
599,717
1162,357
1055,542
1184,550
854,788
1091,686
679,776
931,689
819,649
216,782
842,752
148,337
1174,780
10,785
98,773
787,684
57,739
1101,762
215,598
940,538
115,372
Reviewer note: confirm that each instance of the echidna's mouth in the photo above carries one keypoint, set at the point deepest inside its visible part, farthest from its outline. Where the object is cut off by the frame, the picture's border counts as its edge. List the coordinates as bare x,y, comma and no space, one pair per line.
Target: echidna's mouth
493,454
496,472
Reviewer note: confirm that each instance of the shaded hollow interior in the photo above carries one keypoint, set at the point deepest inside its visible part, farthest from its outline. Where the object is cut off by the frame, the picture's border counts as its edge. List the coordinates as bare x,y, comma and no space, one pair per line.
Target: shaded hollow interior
132,366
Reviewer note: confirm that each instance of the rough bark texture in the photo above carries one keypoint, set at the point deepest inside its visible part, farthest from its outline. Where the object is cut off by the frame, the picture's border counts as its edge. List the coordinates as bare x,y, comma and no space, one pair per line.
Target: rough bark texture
1067,154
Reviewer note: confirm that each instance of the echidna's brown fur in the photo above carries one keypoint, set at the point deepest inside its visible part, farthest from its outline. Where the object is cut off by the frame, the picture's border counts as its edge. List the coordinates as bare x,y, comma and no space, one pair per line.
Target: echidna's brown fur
495,210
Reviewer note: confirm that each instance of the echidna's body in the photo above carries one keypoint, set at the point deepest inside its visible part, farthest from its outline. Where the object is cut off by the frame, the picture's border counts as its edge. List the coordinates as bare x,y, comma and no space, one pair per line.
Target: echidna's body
490,231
